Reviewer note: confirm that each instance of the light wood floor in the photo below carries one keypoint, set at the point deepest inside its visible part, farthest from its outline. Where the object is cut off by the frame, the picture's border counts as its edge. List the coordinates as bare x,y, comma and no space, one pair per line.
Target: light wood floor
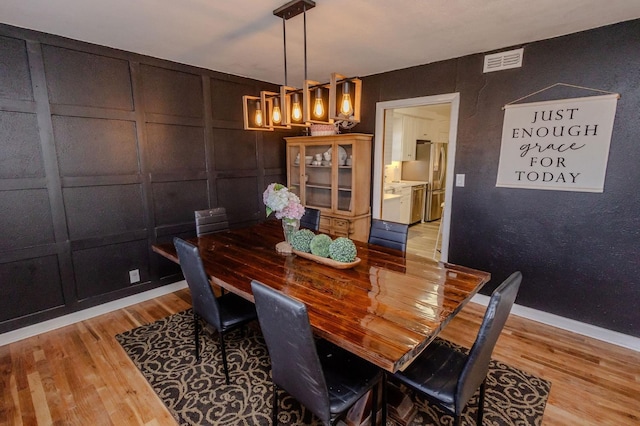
79,375
422,239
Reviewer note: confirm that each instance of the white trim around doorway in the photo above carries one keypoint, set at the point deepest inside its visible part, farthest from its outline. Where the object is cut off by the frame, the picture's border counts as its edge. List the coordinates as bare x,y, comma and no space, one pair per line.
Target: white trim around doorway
378,166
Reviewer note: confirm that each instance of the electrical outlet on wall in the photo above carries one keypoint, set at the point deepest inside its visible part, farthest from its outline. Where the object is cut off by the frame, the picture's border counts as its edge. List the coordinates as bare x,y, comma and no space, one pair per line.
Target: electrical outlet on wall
134,276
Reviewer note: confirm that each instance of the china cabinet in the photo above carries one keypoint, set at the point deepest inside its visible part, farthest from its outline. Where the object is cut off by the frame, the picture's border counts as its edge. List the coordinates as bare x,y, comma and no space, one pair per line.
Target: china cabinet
333,174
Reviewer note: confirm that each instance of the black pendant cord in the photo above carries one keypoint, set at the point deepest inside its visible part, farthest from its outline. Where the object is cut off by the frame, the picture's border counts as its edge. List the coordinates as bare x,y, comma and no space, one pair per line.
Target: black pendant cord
305,40
284,38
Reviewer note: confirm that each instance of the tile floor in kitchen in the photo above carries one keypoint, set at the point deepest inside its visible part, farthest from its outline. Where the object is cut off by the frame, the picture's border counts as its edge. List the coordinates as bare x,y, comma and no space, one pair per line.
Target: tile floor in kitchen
422,239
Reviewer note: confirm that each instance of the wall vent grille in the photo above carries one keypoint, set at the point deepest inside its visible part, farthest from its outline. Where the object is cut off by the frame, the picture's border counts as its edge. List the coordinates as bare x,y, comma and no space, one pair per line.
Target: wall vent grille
503,60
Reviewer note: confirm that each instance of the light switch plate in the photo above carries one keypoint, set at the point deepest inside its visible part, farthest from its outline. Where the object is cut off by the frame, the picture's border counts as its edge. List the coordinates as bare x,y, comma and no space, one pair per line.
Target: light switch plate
459,179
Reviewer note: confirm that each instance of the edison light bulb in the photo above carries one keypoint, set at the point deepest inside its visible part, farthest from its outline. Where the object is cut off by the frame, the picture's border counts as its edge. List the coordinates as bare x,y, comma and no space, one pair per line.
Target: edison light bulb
258,118
345,105
276,115
296,110
318,106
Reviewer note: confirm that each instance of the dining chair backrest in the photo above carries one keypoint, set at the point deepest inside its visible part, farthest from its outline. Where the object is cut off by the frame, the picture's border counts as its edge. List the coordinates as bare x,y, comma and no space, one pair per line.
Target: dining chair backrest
295,363
477,365
389,234
203,300
211,220
310,219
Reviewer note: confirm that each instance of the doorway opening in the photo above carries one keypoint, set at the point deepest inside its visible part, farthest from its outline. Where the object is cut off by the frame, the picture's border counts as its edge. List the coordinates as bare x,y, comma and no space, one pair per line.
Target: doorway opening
404,128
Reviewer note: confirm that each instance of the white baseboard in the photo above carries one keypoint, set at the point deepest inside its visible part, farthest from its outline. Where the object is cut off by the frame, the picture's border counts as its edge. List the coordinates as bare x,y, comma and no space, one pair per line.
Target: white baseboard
573,326
43,327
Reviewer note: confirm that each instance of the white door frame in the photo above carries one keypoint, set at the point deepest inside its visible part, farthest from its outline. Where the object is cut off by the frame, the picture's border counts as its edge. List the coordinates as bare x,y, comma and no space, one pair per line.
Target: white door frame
378,166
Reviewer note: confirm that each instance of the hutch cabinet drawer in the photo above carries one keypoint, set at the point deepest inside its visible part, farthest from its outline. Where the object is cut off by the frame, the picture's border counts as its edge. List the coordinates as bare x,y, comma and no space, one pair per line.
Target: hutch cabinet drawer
340,225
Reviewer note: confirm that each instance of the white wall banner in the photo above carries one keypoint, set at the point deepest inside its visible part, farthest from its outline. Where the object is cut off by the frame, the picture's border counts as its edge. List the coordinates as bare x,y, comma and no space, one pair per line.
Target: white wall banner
559,145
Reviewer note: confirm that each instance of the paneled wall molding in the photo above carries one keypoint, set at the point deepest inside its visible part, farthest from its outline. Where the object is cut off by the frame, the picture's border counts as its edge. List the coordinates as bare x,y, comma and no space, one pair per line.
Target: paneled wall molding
178,176
141,136
45,128
105,240
17,106
82,181
52,171
209,153
27,183
104,153
92,112
174,119
170,230
32,252
227,174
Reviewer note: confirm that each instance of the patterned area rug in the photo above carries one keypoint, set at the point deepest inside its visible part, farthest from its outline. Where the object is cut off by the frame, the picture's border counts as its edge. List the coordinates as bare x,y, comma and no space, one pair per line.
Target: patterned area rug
196,393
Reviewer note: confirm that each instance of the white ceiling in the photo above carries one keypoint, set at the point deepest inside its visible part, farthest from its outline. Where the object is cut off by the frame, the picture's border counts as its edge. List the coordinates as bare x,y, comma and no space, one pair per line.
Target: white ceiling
352,37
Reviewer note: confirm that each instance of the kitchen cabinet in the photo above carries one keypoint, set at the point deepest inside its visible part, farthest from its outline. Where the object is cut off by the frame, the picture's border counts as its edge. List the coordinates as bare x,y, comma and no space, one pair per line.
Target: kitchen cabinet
404,138
424,129
391,208
405,205
406,130
443,131
339,189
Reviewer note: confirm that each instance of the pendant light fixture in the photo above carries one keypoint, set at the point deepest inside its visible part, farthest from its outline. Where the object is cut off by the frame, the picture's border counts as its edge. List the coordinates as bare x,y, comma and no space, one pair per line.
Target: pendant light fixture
335,102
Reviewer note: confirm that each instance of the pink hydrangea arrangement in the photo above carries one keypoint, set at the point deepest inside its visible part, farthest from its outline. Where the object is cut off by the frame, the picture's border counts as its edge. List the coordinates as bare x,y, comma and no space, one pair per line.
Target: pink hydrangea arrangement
277,198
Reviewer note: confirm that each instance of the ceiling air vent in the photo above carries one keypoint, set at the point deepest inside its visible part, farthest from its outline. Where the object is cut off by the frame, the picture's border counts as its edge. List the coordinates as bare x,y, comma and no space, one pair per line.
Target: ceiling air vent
503,60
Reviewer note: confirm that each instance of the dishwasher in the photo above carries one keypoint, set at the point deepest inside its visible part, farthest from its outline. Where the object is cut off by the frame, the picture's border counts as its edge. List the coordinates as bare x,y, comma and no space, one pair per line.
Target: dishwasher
417,203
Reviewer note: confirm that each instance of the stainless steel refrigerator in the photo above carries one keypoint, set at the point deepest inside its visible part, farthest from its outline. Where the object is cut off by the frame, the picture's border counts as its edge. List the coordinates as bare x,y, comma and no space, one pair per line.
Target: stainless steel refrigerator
430,166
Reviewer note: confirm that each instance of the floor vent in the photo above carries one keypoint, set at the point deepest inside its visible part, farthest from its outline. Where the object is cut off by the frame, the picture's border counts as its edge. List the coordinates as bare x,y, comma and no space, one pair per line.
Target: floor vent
503,60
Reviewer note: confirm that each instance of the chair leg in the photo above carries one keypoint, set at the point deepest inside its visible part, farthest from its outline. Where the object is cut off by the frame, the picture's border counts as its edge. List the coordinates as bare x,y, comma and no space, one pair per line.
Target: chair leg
374,405
224,357
384,399
481,402
196,329
274,408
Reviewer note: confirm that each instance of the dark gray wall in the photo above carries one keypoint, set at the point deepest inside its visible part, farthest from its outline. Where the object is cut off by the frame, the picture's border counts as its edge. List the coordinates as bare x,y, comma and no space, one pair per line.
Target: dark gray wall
103,153
579,252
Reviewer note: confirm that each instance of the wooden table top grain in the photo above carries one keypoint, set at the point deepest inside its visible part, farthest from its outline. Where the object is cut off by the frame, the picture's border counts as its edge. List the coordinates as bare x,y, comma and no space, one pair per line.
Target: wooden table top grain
386,309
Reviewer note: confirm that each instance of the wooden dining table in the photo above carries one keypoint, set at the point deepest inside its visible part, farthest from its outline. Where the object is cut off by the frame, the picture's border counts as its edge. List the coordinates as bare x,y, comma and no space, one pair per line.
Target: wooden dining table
386,309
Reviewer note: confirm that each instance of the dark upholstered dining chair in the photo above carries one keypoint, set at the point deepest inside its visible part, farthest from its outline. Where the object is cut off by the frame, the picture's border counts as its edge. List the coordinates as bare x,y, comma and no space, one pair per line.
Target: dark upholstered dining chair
389,234
224,313
447,376
326,379
310,219
211,220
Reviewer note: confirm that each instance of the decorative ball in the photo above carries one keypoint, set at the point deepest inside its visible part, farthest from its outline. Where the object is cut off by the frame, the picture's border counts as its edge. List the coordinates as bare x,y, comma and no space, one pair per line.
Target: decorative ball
320,245
301,240
342,250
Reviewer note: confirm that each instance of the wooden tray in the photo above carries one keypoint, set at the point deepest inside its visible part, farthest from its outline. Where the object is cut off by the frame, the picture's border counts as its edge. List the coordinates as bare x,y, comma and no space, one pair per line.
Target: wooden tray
327,261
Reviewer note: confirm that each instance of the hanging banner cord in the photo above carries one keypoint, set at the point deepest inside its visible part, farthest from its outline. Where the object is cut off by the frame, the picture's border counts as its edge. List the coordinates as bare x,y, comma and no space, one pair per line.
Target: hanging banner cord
560,84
